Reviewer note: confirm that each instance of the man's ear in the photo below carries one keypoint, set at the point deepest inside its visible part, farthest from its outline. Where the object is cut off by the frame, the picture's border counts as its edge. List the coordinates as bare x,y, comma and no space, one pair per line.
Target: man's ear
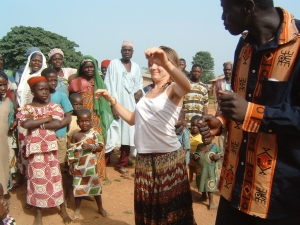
249,6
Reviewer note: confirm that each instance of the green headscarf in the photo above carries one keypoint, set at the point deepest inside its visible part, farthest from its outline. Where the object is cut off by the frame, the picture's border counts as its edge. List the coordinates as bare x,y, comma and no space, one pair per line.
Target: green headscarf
101,106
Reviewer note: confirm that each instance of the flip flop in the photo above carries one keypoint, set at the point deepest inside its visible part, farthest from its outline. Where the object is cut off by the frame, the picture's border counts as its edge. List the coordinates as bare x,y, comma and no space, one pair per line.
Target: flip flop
15,187
202,199
211,207
27,206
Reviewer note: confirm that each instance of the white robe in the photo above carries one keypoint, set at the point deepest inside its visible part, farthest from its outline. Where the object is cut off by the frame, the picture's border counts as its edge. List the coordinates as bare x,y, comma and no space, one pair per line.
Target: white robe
122,85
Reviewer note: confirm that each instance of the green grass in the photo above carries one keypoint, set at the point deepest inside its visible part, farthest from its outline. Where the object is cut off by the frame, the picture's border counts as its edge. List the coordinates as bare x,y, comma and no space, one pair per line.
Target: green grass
128,212
117,180
106,181
131,161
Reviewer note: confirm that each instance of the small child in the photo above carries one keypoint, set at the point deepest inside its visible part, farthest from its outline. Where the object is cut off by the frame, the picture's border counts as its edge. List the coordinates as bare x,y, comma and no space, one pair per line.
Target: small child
61,99
183,135
77,103
206,158
7,123
41,119
195,140
83,162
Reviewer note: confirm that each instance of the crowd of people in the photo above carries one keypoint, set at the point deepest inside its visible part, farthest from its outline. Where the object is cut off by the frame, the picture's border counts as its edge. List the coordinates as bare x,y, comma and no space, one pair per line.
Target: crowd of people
60,126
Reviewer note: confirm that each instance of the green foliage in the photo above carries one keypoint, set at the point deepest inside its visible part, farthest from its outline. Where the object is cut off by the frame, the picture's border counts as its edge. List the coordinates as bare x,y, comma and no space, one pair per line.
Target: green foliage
16,42
207,62
146,70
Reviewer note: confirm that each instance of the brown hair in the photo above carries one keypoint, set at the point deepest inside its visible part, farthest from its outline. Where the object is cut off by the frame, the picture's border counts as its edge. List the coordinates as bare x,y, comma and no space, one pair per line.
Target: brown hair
173,58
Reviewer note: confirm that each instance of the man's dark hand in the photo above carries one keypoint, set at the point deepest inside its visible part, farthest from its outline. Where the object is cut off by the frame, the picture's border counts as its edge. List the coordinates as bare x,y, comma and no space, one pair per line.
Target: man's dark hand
209,126
233,106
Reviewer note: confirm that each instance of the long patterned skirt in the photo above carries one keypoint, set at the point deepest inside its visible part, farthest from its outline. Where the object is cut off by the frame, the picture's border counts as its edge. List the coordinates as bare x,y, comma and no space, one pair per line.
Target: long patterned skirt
162,193
88,103
44,185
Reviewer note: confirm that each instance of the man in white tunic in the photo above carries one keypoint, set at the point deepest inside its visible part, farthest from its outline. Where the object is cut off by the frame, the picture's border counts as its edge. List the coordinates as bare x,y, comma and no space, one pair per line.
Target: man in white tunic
124,81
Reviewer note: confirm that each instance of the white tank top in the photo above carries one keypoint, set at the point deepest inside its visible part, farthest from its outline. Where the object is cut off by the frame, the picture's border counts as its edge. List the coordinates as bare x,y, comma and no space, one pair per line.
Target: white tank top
155,120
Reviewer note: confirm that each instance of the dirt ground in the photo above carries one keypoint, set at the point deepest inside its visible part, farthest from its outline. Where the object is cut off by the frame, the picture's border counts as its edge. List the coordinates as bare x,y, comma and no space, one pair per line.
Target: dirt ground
117,199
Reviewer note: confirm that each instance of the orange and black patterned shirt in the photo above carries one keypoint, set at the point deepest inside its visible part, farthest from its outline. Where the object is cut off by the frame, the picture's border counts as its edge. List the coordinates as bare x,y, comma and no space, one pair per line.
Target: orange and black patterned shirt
261,169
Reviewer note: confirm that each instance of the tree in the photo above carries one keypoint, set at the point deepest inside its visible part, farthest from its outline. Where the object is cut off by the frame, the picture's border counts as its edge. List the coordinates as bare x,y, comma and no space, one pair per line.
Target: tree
15,43
207,62
146,70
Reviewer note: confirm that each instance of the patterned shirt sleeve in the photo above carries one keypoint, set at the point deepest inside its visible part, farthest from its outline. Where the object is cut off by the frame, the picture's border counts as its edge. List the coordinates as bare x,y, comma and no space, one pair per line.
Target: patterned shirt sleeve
23,114
58,112
253,117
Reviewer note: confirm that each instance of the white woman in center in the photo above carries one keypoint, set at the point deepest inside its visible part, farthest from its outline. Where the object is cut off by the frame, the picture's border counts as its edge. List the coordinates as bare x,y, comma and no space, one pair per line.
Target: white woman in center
162,192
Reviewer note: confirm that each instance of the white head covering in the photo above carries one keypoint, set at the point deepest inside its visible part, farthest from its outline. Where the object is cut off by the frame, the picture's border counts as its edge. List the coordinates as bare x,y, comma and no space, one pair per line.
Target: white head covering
24,94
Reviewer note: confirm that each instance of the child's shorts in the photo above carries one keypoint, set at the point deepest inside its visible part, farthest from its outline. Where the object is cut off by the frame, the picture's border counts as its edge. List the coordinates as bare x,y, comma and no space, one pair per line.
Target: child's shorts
62,149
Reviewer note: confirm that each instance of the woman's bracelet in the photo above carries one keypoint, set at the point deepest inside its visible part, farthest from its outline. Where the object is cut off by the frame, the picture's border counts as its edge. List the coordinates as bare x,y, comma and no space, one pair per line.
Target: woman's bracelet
42,126
113,105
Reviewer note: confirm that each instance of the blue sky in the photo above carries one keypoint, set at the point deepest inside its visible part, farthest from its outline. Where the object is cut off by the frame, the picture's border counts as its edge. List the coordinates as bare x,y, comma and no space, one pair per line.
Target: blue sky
100,26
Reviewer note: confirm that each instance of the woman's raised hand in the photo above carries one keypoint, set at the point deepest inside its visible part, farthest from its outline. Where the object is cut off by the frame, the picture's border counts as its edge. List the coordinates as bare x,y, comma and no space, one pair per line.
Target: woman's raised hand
103,93
157,56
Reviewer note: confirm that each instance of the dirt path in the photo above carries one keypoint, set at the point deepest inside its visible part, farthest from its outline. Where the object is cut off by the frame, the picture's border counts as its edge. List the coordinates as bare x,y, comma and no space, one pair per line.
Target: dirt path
117,200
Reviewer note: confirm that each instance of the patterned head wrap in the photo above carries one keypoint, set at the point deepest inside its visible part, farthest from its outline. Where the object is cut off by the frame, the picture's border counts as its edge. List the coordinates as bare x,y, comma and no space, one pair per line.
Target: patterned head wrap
101,106
55,51
33,80
86,60
105,63
127,43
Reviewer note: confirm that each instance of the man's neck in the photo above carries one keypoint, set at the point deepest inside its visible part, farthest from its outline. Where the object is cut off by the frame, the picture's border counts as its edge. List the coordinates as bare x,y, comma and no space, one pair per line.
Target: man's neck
125,61
228,80
195,80
265,26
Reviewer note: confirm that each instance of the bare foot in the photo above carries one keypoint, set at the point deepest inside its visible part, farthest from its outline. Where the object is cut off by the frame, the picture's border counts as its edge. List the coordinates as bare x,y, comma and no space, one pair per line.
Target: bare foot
103,212
37,221
76,214
66,218
67,202
38,217
64,215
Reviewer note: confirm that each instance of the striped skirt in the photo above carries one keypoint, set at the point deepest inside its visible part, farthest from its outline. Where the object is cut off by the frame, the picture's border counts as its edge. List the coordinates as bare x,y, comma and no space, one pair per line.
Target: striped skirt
162,193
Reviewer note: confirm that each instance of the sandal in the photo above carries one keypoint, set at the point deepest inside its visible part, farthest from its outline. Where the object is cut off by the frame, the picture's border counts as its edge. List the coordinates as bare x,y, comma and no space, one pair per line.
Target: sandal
211,207
16,186
202,199
27,206
122,170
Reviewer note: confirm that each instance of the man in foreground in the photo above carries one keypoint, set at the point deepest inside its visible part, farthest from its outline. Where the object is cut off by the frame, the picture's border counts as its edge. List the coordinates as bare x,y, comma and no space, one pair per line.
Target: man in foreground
260,178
